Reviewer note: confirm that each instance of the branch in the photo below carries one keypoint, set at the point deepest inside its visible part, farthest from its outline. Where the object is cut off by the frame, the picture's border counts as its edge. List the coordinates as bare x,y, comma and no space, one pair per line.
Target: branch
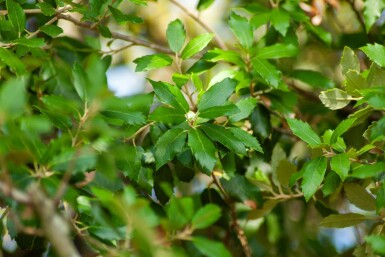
14,193
220,43
26,11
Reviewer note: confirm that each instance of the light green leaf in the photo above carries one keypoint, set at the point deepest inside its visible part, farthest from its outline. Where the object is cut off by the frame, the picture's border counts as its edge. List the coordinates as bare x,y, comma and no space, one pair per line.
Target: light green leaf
277,51
377,242
375,52
81,81
304,131
280,20
180,211
120,17
16,15
31,42
167,115
342,220
169,144
51,30
204,4
246,106
217,94
376,76
153,61
230,56
335,98
349,61
313,175
368,170
354,83
210,248
170,94
218,111
344,126
340,163
313,78
206,216
267,71
130,117
242,30
225,137
46,8
13,97
246,138
196,44
10,59
372,11
358,196
176,35
203,149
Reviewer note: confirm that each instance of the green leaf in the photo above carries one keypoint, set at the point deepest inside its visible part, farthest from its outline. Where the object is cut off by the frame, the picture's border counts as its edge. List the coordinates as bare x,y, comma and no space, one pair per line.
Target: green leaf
51,30
280,20
170,94
167,115
247,139
153,61
284,171
376,131
210,248
332,184
368,170
196,44
200,67
81,81
46,8
313,78
13,98
204,4
130,117
230,56
104,31
340,163
304,131
372,11
354,83
242,30
10,59
344,126
241,189
377,242
169,145
349,61
376,76
180,79
180,211
314,172
246,106
217,94
218,111
31,42
176,35
277,51
225,137
267,71
120,17
335,98
358,196
342,220
260,121
203,149
16,15
376,53
206,216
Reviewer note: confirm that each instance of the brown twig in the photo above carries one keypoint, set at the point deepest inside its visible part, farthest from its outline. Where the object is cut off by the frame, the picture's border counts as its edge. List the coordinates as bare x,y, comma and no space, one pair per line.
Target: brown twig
26,11
220,43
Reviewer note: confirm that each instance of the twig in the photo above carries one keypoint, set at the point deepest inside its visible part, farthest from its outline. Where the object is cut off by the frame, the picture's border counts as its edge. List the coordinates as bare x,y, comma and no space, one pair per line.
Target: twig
26,11
14,193
239,231
220,43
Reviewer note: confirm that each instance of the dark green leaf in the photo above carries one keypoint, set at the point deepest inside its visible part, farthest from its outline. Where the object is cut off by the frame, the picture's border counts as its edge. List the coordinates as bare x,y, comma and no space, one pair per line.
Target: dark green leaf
211,248
46,8
304,131
180,211
340,163
167,115
176,35
332,184
196,44
170,94
230,56
242,30
169,145
314,172
218,111
358,196
246,106
344,126
153,61
267,71
10,59
130,117
206,216
16,15
241,189
200,66
342,220
120,17
277,51
81,81
203,149
217,94
225,137
260,121
313,78
246,139
204,4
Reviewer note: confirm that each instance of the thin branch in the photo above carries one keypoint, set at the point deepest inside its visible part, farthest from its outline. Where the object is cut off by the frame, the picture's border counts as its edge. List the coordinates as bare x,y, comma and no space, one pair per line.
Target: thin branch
14,193
26,11
220,43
